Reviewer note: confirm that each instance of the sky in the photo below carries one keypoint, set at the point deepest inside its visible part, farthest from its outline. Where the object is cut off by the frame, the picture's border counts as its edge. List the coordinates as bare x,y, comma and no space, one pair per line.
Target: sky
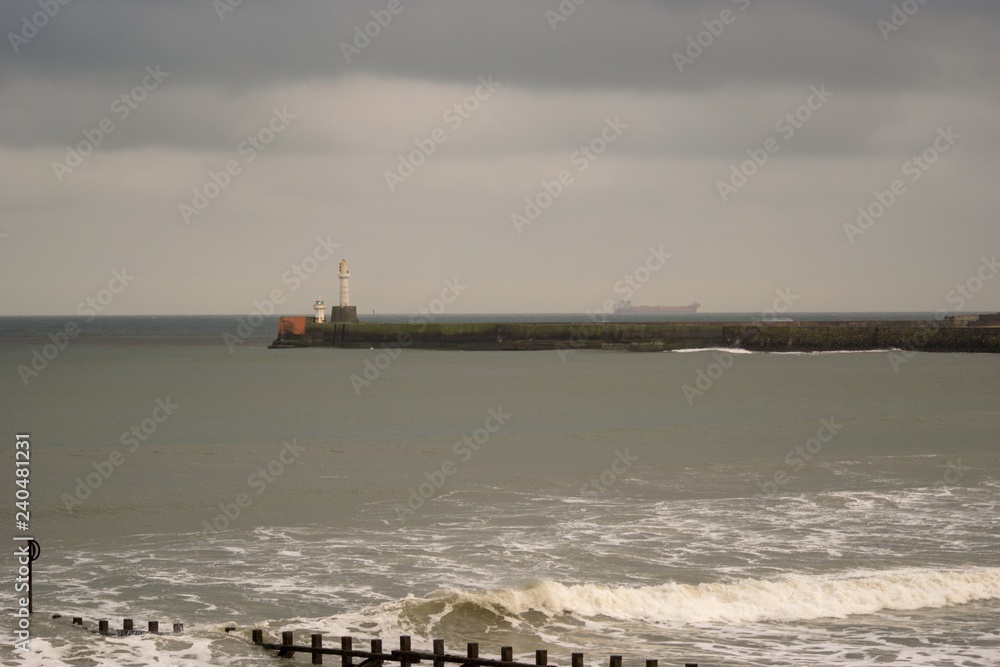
498,156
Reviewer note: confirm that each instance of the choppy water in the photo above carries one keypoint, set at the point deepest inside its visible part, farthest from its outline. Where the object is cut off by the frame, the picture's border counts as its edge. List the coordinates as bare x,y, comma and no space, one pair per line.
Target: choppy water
608,513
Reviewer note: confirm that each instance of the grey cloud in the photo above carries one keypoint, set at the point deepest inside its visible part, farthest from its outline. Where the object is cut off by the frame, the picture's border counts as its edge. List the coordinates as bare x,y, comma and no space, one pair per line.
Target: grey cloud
656,184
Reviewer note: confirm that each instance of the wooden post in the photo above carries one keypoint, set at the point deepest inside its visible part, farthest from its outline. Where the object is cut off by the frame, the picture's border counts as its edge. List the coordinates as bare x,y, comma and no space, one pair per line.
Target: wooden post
346,643
154,627
179,627
438,650
577,660
287,639
404,645
77,620
257,635
690,664
616,661
102,627
507,654
541,657
317,642
127,624
652,663
377,648
473,650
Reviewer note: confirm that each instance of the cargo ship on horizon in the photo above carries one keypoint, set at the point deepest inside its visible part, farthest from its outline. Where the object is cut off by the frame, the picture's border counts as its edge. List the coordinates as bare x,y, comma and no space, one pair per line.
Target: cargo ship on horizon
625,307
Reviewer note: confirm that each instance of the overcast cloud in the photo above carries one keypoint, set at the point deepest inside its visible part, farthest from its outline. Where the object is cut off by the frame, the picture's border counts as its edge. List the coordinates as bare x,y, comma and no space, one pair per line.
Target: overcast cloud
310,115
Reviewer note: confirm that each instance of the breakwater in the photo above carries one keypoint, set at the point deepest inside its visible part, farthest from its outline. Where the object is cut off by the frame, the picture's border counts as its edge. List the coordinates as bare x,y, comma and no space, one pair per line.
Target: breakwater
970,334
405,656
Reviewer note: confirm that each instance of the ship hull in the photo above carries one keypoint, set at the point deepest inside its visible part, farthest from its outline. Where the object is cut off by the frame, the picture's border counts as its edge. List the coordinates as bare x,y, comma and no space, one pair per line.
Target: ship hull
631,310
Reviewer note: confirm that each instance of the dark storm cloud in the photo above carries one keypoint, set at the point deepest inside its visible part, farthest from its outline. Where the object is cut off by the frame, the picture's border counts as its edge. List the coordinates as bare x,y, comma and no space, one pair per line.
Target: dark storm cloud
601,45
89,54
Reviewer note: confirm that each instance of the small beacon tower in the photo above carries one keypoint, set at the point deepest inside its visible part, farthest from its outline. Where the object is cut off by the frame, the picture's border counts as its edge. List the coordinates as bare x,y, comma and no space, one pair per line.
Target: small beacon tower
345,312
320,309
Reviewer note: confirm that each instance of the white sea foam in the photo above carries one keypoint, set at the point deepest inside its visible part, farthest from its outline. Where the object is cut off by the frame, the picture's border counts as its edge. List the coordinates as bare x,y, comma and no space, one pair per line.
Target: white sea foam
790,598
739,350
819,352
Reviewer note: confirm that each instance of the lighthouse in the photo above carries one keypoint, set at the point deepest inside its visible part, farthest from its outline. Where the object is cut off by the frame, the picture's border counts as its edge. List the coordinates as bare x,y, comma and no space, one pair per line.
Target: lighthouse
345,294
345,312
320,309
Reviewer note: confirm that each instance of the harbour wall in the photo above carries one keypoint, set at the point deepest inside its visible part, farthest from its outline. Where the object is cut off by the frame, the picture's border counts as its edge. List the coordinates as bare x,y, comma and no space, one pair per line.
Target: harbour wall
932,336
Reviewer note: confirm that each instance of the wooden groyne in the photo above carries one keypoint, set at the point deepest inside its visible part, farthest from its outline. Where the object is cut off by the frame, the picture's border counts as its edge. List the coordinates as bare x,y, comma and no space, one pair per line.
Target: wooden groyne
405,656
949,334
128,628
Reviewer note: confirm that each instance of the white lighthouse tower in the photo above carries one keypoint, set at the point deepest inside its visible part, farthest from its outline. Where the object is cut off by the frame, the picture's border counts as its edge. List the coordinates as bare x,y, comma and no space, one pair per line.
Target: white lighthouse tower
345,313
345,294
320,309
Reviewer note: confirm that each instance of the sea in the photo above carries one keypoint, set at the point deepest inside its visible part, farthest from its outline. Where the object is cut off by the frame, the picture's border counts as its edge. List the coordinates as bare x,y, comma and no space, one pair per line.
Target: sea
708,506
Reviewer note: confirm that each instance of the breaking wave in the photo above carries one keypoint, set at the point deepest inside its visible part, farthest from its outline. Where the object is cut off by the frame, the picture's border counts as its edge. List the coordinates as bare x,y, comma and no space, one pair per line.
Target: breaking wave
790,598
730,350
740,350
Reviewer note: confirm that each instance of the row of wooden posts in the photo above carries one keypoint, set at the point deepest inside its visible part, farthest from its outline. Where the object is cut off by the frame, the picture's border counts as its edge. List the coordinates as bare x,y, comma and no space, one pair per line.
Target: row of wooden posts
406,656
128,627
